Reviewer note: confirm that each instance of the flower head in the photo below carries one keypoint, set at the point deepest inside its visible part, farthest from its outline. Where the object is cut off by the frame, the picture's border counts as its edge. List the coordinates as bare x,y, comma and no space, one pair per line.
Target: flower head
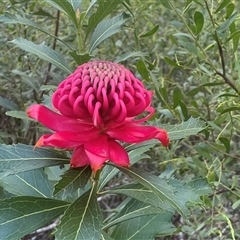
97,106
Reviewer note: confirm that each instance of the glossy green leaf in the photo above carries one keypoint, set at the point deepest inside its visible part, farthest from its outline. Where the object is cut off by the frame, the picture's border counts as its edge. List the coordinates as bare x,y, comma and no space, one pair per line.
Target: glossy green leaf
22,215
222,5
128,55
199,21
103,10
29,183
66,7
18,114
222,27
44,52
72,180
177,96
191,127
107,28
80,58
151,32
18,158
81,220
4,102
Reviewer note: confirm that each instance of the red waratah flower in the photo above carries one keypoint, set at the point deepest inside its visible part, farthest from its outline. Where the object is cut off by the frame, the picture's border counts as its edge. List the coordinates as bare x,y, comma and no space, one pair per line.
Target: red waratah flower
97,107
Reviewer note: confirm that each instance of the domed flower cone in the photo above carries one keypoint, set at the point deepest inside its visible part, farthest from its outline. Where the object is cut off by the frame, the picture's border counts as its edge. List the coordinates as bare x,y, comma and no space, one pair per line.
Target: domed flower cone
96,108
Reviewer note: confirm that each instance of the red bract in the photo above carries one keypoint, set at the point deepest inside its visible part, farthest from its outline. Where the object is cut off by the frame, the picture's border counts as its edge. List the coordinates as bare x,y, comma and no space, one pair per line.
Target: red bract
97,107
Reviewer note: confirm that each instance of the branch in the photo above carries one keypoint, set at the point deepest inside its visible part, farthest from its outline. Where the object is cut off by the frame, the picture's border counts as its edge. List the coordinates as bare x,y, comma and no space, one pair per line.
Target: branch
53,47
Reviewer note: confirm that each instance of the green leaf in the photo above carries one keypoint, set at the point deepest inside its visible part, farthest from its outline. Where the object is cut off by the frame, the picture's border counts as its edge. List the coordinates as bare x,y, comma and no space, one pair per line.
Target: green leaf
22,215
105,236
191,127
199,21
189,47
177,96
222,5
30,183
230,9
184,110
171,62
48,88
29,80
81,220
151,32
145,227
80,58
227,23
18,158
230,109
125,56
165,193
198,89
144,194
107,28
166,4
226,143
131,210
75,4
4,102
142,69
72,180
44,52
65,7
42,12
233,35
103,10
17,19
18,114
135,154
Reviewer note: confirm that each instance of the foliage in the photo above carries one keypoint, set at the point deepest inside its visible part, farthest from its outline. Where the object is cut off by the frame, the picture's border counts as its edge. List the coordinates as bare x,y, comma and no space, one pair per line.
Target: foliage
185,51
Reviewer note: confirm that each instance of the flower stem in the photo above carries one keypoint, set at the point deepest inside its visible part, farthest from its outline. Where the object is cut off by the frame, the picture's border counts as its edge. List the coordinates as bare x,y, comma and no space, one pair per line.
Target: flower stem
95,180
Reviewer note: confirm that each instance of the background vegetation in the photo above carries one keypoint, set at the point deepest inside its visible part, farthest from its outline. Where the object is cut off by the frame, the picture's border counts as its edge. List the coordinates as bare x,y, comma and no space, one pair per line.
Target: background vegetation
186,51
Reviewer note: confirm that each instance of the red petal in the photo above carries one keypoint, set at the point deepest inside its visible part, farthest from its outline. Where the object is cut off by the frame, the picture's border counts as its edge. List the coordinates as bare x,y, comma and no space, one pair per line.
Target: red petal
118,154
98,151
56,121
98,146
56,140
96,161
79,158
135,133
